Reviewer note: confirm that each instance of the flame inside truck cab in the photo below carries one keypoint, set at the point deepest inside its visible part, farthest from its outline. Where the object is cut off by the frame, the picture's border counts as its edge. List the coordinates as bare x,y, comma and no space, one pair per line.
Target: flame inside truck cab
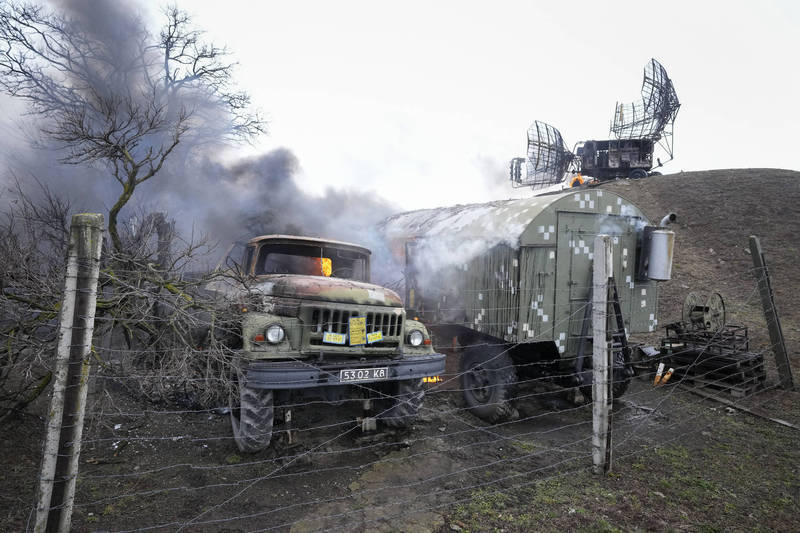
324,266
308,260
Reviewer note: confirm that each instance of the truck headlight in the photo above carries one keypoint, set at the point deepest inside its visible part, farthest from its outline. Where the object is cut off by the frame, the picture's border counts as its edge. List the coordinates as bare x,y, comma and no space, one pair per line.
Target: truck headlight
415,338
275,333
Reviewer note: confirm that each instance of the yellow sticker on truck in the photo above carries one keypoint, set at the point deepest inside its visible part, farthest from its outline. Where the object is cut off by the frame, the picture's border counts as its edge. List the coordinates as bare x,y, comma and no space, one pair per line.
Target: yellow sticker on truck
358,330
375,336
334,338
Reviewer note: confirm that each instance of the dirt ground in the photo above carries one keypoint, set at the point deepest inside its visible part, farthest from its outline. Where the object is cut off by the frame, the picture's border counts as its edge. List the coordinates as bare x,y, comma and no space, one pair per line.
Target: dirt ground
681,462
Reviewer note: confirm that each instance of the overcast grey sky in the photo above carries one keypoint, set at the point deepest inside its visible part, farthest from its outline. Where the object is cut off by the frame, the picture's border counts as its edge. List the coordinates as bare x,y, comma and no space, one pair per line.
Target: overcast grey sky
426,102
436,97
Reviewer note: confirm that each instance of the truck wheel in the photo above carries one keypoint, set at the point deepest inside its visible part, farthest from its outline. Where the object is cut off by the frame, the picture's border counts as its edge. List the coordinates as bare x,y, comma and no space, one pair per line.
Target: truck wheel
406,402
637,174
487,380
252,421
621,381
620,375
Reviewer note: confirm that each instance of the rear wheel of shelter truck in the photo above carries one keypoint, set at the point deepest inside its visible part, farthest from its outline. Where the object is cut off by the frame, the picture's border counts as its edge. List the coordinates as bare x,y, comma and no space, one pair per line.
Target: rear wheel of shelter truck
252,421
621,378
637,173
487,380
404,406
620,375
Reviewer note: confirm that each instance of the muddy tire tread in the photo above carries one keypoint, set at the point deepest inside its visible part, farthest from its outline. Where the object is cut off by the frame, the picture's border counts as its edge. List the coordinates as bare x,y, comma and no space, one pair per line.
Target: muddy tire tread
500,409
252,430
408,398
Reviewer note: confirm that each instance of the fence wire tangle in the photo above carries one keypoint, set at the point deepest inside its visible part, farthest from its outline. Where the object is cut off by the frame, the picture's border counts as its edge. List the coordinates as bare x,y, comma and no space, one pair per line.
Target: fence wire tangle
574,458
168,462
144,466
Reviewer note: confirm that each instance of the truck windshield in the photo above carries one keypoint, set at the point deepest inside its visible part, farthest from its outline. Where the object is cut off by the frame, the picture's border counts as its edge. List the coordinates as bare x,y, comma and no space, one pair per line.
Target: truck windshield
311,260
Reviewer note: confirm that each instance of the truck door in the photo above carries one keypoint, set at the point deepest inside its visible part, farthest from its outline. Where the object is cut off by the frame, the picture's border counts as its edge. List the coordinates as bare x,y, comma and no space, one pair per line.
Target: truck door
575,255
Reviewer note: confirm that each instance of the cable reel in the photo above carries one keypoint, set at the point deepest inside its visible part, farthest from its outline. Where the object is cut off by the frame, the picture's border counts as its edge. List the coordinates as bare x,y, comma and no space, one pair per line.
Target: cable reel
704,313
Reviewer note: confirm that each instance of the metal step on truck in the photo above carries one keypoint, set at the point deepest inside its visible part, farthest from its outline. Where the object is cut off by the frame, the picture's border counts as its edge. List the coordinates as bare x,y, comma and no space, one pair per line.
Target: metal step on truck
311,325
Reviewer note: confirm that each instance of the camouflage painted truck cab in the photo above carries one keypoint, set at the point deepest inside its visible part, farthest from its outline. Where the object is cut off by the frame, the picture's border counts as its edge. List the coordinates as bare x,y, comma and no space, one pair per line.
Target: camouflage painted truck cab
313,326
511,281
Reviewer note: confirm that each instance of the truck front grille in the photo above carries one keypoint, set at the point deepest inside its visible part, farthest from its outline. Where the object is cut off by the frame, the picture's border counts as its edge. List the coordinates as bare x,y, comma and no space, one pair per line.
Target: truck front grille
321,319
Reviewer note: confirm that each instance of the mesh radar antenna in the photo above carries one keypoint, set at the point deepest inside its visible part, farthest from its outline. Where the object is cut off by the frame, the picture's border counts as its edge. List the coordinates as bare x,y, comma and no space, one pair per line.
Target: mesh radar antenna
654,115
547,161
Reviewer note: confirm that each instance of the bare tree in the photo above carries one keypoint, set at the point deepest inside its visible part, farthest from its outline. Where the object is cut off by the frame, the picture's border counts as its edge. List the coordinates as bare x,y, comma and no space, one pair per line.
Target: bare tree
126,106
31,233
122,100
177,336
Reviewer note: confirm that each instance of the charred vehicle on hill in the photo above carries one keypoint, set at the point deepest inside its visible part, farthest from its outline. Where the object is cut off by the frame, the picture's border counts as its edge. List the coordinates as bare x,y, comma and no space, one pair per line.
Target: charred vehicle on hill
313,326
510,281
615,158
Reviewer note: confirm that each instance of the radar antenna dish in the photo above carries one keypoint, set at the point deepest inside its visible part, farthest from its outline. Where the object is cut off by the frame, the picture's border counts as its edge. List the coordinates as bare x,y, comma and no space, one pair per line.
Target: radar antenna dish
548,159
654,115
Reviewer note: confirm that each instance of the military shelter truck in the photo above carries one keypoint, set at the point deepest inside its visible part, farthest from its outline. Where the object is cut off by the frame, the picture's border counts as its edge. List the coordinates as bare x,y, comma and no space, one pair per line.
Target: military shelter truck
313,326
511,281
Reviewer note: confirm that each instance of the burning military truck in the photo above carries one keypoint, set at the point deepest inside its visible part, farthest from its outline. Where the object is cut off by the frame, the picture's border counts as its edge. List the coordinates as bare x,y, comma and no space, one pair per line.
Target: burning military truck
511,280
312,326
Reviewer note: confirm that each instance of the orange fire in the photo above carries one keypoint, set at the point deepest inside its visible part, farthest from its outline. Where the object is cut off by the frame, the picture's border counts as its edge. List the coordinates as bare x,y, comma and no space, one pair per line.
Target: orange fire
324,266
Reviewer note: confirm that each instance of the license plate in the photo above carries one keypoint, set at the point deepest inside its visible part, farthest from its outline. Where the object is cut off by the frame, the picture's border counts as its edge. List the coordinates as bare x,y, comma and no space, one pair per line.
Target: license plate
334,338
364,374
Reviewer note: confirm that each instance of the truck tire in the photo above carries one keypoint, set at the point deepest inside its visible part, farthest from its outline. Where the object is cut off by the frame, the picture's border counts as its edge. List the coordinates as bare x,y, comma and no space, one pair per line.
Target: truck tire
620,375
637,174
407,397
252,421
621,380
487,381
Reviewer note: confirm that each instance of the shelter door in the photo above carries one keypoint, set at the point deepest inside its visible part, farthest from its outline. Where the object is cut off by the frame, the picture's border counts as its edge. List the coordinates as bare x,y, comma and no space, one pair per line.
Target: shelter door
575,255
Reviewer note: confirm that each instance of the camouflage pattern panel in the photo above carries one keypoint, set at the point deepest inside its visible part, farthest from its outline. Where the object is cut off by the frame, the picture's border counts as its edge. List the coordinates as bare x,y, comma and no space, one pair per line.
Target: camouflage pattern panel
492,289
577,232
644,303
537,293
573,279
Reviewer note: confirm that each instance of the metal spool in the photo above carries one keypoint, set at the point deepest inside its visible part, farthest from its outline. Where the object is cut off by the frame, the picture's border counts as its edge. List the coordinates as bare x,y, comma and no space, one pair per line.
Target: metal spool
707,315
693,310
715,312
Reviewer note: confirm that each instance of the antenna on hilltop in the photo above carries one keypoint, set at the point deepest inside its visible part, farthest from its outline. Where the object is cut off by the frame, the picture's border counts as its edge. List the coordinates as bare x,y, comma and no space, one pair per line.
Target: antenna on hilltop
637,128
653,116
547,160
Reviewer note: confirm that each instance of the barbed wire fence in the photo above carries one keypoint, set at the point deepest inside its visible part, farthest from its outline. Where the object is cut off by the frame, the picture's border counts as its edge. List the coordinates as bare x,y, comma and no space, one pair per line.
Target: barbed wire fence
155,459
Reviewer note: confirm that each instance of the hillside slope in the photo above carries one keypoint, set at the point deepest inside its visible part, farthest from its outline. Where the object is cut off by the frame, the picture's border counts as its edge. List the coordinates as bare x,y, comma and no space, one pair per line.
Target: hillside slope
717,212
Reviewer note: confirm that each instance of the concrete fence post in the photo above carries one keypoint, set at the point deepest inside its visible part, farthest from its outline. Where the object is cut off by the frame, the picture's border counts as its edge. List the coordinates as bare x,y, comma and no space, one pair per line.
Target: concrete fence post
601,383
64,425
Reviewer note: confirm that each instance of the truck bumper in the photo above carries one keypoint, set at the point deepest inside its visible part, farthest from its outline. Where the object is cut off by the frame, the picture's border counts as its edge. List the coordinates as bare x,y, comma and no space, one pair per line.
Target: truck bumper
303,375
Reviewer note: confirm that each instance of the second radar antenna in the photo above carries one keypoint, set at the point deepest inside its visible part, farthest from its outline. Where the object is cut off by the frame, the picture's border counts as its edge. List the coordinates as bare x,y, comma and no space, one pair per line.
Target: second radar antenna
547,160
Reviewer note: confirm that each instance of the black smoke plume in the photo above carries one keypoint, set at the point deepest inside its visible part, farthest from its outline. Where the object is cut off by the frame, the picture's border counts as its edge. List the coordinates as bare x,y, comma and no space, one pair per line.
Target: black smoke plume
225,202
